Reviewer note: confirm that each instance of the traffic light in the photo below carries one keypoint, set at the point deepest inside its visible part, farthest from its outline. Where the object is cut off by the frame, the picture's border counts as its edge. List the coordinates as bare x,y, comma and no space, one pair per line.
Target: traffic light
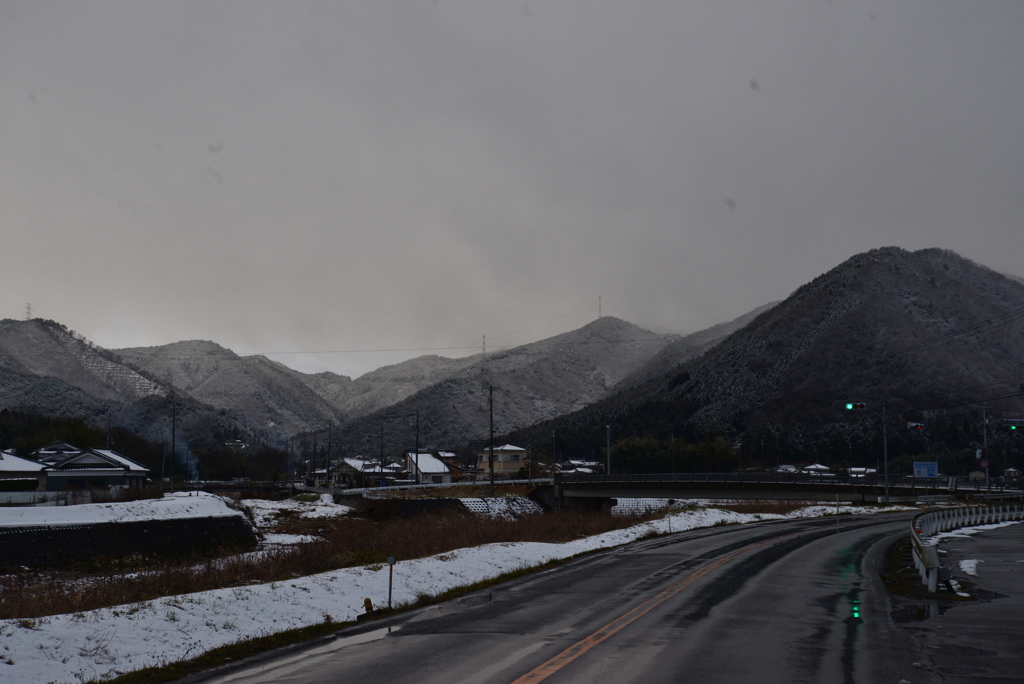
856,406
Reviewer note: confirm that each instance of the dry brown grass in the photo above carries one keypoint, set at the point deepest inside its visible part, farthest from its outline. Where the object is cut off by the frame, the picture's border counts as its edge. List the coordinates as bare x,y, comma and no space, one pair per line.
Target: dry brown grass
346,543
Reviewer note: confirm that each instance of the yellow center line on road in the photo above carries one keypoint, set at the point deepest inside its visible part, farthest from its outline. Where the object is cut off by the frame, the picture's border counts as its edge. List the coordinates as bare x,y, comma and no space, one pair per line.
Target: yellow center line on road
545,670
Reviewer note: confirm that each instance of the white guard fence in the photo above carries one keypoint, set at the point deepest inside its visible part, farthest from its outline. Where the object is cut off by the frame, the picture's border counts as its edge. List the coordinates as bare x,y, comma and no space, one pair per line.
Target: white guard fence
924,525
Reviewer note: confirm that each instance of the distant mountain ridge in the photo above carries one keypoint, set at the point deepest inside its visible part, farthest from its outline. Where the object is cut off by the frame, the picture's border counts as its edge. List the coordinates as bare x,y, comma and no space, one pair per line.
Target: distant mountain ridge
47,368
269,394
532,382
384,386
919,330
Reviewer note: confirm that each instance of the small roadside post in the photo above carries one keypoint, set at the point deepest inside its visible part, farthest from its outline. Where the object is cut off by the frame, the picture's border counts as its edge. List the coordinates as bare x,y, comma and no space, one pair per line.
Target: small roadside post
391,576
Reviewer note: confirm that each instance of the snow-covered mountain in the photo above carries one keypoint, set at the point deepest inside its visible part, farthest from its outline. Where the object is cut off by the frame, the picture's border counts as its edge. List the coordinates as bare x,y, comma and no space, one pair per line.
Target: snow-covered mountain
270,395
45,349
533,382
918,330
384,386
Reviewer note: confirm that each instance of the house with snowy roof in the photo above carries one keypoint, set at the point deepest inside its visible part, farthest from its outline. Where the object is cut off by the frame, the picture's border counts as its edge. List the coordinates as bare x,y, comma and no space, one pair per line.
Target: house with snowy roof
508,459
426,468
20,474
68,467
359,472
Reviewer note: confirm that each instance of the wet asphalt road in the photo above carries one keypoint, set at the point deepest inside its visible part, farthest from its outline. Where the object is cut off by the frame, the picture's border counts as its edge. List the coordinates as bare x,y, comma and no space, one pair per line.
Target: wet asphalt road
790,601
979,641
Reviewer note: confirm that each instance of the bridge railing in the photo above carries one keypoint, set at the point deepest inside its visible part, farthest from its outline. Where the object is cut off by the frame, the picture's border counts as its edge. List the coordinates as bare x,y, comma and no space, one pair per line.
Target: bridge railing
739,478
925,525
871,480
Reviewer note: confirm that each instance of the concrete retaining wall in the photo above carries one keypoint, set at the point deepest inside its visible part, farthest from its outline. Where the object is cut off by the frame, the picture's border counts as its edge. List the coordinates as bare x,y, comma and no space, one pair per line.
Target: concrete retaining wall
57,544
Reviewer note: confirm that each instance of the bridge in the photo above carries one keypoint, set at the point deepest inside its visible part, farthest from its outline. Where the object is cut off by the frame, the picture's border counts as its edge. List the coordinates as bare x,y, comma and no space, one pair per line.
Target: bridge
598,491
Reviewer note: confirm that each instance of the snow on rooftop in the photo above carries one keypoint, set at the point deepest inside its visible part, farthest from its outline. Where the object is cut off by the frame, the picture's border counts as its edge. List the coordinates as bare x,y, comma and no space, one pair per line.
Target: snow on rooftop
130,464
172,506
427,463
11,463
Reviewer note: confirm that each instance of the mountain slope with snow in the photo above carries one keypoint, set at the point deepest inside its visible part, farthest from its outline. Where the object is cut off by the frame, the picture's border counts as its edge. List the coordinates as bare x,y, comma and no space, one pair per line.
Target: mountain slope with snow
920,330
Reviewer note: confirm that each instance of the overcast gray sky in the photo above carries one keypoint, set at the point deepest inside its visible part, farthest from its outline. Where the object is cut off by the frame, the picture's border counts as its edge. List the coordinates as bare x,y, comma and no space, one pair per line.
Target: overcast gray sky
340,176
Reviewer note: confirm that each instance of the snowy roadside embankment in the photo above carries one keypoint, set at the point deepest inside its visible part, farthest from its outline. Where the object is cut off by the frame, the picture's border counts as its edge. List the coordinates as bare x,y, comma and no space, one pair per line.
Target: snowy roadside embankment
103,643
172,506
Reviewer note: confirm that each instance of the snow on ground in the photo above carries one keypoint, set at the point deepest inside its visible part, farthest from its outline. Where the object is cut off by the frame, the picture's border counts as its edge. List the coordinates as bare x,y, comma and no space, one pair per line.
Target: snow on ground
273,538
176,505
640,506
965,532
101,644
267,513
970,566
507,507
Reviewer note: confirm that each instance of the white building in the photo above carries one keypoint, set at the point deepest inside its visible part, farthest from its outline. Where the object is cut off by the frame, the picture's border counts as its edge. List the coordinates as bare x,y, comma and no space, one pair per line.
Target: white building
427,468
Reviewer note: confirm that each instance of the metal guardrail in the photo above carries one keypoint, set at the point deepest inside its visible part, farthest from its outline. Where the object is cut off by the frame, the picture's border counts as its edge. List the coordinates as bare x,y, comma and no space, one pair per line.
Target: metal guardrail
924,525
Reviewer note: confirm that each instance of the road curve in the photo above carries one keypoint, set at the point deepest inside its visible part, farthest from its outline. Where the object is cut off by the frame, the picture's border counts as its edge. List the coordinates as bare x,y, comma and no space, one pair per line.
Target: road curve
787,601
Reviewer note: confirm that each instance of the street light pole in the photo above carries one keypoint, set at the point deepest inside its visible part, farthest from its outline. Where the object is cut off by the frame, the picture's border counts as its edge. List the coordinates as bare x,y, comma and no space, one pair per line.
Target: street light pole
608,445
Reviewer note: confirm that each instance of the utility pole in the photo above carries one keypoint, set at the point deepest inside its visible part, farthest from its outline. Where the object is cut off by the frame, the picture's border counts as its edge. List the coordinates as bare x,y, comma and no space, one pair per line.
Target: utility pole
314,457
174,425
490,392
984,428
885,454
329,455
417,457
608,444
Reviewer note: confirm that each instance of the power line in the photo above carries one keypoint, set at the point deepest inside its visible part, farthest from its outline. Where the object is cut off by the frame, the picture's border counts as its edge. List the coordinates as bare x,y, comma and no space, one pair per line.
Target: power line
984,326
968,402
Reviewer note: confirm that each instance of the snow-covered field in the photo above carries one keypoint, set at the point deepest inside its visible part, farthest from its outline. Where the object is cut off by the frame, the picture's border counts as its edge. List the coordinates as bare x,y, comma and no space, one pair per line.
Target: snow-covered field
268,513
103,643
